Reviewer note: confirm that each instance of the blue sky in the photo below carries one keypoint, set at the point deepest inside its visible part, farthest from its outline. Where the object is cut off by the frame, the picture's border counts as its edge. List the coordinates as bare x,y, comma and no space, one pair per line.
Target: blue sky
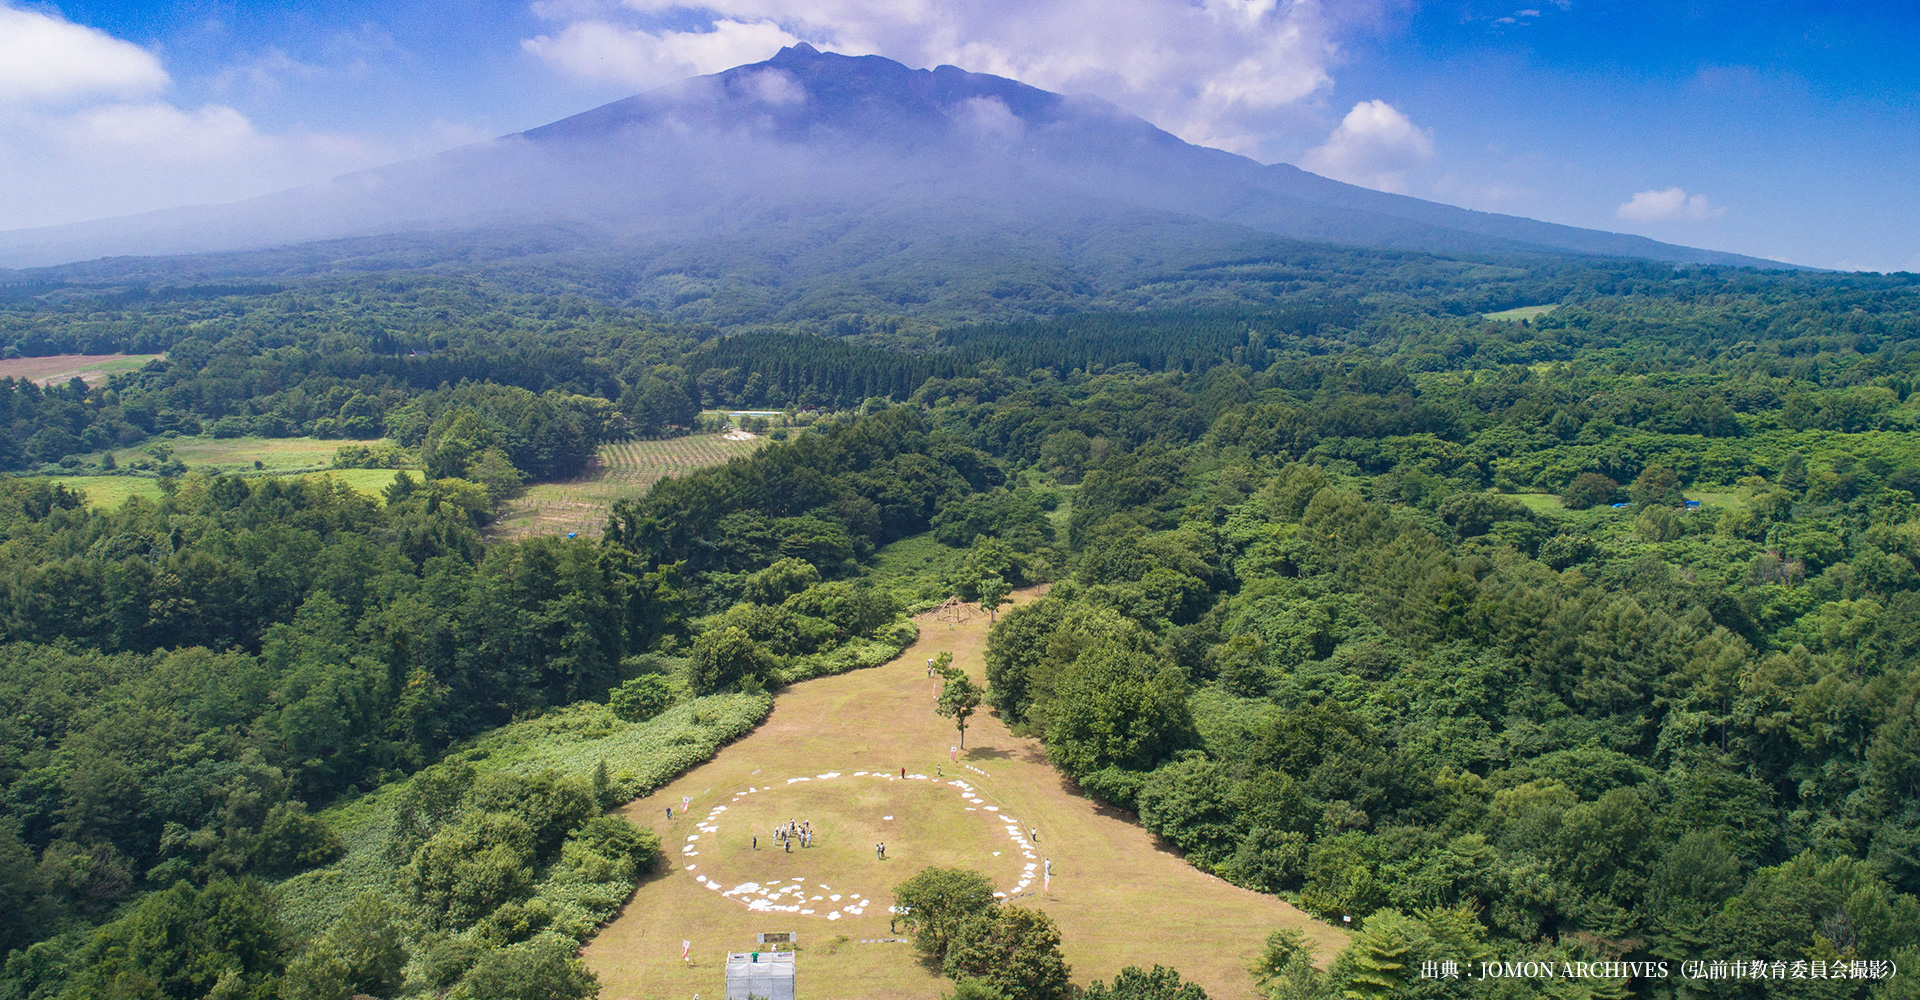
1785,130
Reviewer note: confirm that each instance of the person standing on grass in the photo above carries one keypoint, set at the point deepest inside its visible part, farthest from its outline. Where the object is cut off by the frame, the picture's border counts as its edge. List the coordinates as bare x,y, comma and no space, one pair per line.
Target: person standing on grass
756,841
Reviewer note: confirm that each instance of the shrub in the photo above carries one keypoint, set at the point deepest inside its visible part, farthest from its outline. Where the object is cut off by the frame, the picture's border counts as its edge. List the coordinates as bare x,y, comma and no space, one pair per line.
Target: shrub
724,657
545,968
360,954
471,867
642,698
1013,949
936,901
1589,489
292,840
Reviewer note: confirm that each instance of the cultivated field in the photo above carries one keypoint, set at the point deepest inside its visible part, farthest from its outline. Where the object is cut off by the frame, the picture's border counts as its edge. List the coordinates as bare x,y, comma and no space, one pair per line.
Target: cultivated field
622,469
1120,897
91,368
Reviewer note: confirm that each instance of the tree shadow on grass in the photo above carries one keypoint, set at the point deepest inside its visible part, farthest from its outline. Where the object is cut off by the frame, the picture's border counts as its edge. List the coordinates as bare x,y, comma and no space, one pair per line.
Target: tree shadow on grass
1072,787
987,753
660,871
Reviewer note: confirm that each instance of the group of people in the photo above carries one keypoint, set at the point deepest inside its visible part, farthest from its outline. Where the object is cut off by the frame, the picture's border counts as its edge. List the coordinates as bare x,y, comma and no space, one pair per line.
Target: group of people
880,851
787,833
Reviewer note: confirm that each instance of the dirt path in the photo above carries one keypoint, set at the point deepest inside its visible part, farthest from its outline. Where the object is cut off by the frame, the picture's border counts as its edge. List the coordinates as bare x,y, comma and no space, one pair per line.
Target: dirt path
1120,898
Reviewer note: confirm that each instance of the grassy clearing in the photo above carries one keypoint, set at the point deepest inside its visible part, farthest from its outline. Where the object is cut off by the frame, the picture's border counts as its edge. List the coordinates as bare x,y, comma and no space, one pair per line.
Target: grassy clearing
1729,501
913,567
1119,896
277,456
1540,503
1523,312
372,482
108,492
90,368
622,469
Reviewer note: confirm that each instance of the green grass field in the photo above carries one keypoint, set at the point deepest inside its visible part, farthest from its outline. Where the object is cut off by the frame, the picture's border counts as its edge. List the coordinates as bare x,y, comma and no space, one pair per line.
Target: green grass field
372,482
1540,503
1523,312
913,567
622,469
277,456
108,492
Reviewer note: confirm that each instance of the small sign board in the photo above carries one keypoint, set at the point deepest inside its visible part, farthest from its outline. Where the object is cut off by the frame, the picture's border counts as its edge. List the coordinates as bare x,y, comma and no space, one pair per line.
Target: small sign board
778,937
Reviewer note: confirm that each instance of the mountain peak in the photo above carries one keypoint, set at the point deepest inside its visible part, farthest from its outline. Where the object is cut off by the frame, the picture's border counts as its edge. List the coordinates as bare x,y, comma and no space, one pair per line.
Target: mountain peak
822,135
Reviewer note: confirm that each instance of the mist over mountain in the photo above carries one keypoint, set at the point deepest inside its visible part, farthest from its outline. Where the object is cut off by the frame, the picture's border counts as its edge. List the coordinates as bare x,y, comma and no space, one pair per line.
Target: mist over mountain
811,183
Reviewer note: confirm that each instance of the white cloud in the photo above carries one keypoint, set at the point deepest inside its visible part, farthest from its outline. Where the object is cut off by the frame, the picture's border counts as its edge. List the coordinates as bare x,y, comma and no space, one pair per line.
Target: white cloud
1374,147
45,57
1227,73
161,130
124,157
1670,204
85,132
772,86
601,51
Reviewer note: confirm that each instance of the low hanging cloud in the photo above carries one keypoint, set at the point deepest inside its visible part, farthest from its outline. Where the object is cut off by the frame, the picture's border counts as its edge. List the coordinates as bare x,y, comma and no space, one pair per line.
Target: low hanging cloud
1374,146
1667,205
88,130
1226,73
604,52
43,57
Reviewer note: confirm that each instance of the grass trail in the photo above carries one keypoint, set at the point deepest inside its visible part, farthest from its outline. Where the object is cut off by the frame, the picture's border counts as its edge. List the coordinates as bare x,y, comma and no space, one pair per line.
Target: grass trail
1120,897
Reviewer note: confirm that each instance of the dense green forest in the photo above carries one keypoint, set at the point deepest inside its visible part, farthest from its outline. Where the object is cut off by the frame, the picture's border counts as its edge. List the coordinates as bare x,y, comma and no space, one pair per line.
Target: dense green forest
1592,637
